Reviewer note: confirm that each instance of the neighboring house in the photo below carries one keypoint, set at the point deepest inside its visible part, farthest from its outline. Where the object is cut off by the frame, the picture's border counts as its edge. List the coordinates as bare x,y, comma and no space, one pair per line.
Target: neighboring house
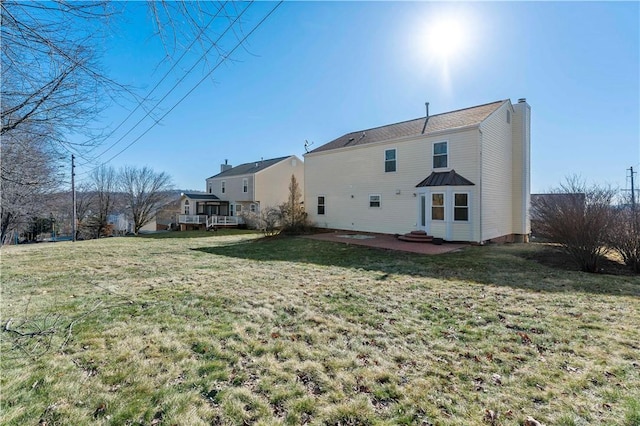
461,176
166,217
120,223
235,190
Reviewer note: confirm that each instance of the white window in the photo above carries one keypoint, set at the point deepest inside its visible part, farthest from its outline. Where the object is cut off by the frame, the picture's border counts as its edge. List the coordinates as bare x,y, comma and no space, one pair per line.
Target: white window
321,204
461,207
440,151
374,200
245,185
389,160
223,186
437,206
186,206
231,210
210,189
252,208
238,208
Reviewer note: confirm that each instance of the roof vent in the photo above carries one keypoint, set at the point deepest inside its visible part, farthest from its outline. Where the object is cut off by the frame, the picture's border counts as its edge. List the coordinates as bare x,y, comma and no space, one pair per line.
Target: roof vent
426,120
522,100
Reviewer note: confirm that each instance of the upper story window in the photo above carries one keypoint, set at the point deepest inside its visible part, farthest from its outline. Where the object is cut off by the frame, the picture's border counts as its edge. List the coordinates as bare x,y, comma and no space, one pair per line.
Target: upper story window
245,185
186,206
461,207
390,160
374,200
321,204
223,186
440,155
210,189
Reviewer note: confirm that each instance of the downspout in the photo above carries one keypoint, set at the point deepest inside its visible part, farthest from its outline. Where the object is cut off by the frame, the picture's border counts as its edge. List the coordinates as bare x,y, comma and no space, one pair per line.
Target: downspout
480,184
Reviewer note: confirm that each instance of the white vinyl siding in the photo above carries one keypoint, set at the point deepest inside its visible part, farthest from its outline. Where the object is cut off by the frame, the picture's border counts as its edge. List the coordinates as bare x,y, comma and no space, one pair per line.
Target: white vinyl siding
349,175
497,177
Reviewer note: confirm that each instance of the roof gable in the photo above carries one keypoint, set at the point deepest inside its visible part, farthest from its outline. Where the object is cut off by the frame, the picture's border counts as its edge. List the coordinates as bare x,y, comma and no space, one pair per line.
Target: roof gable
249,168
435,123
450,178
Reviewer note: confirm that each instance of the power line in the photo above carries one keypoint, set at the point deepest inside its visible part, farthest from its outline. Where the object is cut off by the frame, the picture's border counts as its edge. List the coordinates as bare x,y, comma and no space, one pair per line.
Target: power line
140,103
220,62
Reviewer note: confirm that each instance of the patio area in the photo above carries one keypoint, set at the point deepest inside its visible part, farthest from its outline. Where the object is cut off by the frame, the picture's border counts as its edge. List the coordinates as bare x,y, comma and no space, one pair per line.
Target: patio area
386,241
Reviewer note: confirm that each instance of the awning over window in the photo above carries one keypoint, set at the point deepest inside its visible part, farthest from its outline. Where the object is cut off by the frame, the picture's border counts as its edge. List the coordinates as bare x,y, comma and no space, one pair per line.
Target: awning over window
450,178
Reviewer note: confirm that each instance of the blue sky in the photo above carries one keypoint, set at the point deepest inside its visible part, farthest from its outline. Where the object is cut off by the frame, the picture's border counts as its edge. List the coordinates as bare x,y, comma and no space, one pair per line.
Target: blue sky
316,70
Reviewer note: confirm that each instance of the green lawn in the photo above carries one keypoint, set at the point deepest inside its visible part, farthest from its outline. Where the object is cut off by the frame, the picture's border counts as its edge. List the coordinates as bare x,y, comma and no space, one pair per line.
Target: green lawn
233,329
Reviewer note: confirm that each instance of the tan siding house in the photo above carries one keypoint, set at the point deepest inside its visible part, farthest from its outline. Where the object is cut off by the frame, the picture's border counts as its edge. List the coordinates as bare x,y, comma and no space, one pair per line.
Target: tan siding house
459,176
236,190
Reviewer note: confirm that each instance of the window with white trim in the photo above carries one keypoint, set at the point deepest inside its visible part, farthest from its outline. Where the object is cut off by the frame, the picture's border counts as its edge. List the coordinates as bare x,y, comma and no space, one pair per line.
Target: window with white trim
245,185
437,206
252,208
186,206
461,206
231,210
238,208
374,200
389,160
321,204
210,189
223,186
440,154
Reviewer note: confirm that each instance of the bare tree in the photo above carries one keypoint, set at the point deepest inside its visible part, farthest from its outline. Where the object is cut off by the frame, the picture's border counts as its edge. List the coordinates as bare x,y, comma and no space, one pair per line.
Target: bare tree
144,192
292,212
625,237
579,218
52,84
103,187
27,174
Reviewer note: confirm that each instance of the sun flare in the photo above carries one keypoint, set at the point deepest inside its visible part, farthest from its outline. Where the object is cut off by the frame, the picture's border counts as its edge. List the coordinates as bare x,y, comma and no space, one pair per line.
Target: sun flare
446,38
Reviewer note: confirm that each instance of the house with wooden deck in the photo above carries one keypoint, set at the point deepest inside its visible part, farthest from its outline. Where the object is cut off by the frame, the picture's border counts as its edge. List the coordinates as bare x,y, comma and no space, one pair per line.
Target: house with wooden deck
234,191
462,175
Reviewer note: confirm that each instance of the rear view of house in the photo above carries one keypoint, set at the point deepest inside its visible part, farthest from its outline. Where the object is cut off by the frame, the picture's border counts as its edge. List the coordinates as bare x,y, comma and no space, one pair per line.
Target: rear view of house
463,175
248,187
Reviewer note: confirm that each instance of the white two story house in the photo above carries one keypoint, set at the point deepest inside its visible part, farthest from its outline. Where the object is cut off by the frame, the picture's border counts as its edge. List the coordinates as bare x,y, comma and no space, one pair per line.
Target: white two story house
462,175
244,188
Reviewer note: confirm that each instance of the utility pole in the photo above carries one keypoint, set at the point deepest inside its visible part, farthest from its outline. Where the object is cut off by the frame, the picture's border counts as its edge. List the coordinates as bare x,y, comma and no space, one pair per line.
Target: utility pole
73,196
633,190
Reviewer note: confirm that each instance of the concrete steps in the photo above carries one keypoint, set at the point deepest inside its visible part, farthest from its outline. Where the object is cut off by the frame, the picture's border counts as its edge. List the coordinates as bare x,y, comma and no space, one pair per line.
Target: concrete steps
416,237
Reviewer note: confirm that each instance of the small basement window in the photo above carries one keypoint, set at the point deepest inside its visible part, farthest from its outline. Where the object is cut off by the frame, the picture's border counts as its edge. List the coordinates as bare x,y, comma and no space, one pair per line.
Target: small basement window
374,200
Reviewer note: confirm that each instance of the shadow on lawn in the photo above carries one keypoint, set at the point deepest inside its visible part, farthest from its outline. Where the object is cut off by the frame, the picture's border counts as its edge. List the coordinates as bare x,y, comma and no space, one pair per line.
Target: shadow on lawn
506,265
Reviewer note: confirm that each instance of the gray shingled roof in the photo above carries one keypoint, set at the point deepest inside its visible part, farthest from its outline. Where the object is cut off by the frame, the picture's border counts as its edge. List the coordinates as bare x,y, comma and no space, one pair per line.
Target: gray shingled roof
435,123
450,178
249,168
200,196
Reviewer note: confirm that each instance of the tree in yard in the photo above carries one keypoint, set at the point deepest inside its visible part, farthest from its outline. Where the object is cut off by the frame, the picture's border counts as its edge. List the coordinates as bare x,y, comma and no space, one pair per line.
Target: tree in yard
103,186
292,212
625,237
579,218
144,191
27,175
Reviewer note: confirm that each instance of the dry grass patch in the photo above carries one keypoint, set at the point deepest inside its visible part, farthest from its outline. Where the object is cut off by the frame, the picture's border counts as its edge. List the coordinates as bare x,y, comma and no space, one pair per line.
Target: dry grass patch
232,329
